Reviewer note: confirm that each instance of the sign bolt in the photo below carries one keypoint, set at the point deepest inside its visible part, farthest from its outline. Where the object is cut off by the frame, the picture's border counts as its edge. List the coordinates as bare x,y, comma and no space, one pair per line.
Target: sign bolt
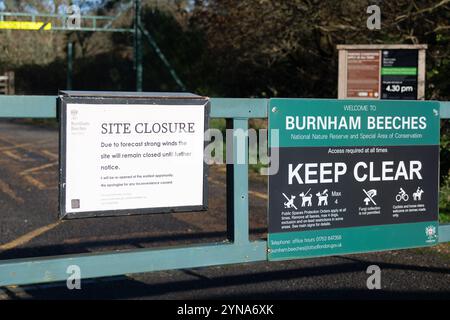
274,109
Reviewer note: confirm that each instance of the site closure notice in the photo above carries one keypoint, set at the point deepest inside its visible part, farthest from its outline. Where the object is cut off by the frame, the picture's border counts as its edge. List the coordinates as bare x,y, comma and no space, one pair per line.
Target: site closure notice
120,157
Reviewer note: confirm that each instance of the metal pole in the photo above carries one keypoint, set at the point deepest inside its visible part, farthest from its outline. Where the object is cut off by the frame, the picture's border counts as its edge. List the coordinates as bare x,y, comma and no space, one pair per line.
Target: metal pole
163,58
138,44
69,65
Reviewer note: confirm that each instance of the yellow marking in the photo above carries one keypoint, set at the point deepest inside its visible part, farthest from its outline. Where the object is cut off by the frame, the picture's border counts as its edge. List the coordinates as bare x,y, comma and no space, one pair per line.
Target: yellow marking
35,182
15,146
16,292
222,168
25,25
28,236
13,155
217,182
5,140
44,166
6,189
50,154
258,194
254,193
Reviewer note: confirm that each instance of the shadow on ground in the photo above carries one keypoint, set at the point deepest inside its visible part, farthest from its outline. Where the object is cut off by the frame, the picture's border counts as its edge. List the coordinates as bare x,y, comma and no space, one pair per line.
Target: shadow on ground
183,282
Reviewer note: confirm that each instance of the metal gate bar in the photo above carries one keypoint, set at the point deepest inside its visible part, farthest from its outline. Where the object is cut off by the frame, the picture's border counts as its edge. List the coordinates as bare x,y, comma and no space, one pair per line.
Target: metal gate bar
240,250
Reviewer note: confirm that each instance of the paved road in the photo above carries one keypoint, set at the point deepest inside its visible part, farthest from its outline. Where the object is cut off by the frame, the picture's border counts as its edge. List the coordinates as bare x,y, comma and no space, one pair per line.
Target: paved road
29,226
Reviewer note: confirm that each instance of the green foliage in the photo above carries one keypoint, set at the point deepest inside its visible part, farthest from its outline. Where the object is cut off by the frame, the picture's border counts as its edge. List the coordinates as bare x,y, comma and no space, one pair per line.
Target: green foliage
251,48
444,202
445,152
288,48
219,124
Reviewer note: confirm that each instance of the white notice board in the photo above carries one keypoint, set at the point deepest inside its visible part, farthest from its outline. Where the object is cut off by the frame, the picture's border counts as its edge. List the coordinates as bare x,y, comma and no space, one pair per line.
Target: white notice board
124,157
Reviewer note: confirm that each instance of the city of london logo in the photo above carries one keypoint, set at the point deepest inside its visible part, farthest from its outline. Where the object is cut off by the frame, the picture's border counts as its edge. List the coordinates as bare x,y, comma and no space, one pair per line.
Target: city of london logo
74,114
430,232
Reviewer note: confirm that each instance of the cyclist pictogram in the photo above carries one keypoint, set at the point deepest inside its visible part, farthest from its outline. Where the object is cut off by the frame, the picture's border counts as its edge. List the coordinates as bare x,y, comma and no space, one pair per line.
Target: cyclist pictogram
402,196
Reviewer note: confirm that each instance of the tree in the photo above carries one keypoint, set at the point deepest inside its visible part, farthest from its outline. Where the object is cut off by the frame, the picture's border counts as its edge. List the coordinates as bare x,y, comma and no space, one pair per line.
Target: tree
287,48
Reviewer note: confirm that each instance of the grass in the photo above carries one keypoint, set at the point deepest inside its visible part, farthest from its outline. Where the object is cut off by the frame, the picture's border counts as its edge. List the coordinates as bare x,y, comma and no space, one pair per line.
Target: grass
256,124
219,124
444,203
444,218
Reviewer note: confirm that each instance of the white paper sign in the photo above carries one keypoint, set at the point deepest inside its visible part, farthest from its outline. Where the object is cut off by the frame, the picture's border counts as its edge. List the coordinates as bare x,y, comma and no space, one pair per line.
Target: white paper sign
125,156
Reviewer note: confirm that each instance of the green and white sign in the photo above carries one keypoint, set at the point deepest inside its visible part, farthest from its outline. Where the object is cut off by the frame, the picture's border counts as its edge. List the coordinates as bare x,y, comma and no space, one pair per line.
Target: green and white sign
354,176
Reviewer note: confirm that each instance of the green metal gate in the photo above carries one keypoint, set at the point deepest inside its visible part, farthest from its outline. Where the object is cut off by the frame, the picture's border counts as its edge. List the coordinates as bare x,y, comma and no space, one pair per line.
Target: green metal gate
238,249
